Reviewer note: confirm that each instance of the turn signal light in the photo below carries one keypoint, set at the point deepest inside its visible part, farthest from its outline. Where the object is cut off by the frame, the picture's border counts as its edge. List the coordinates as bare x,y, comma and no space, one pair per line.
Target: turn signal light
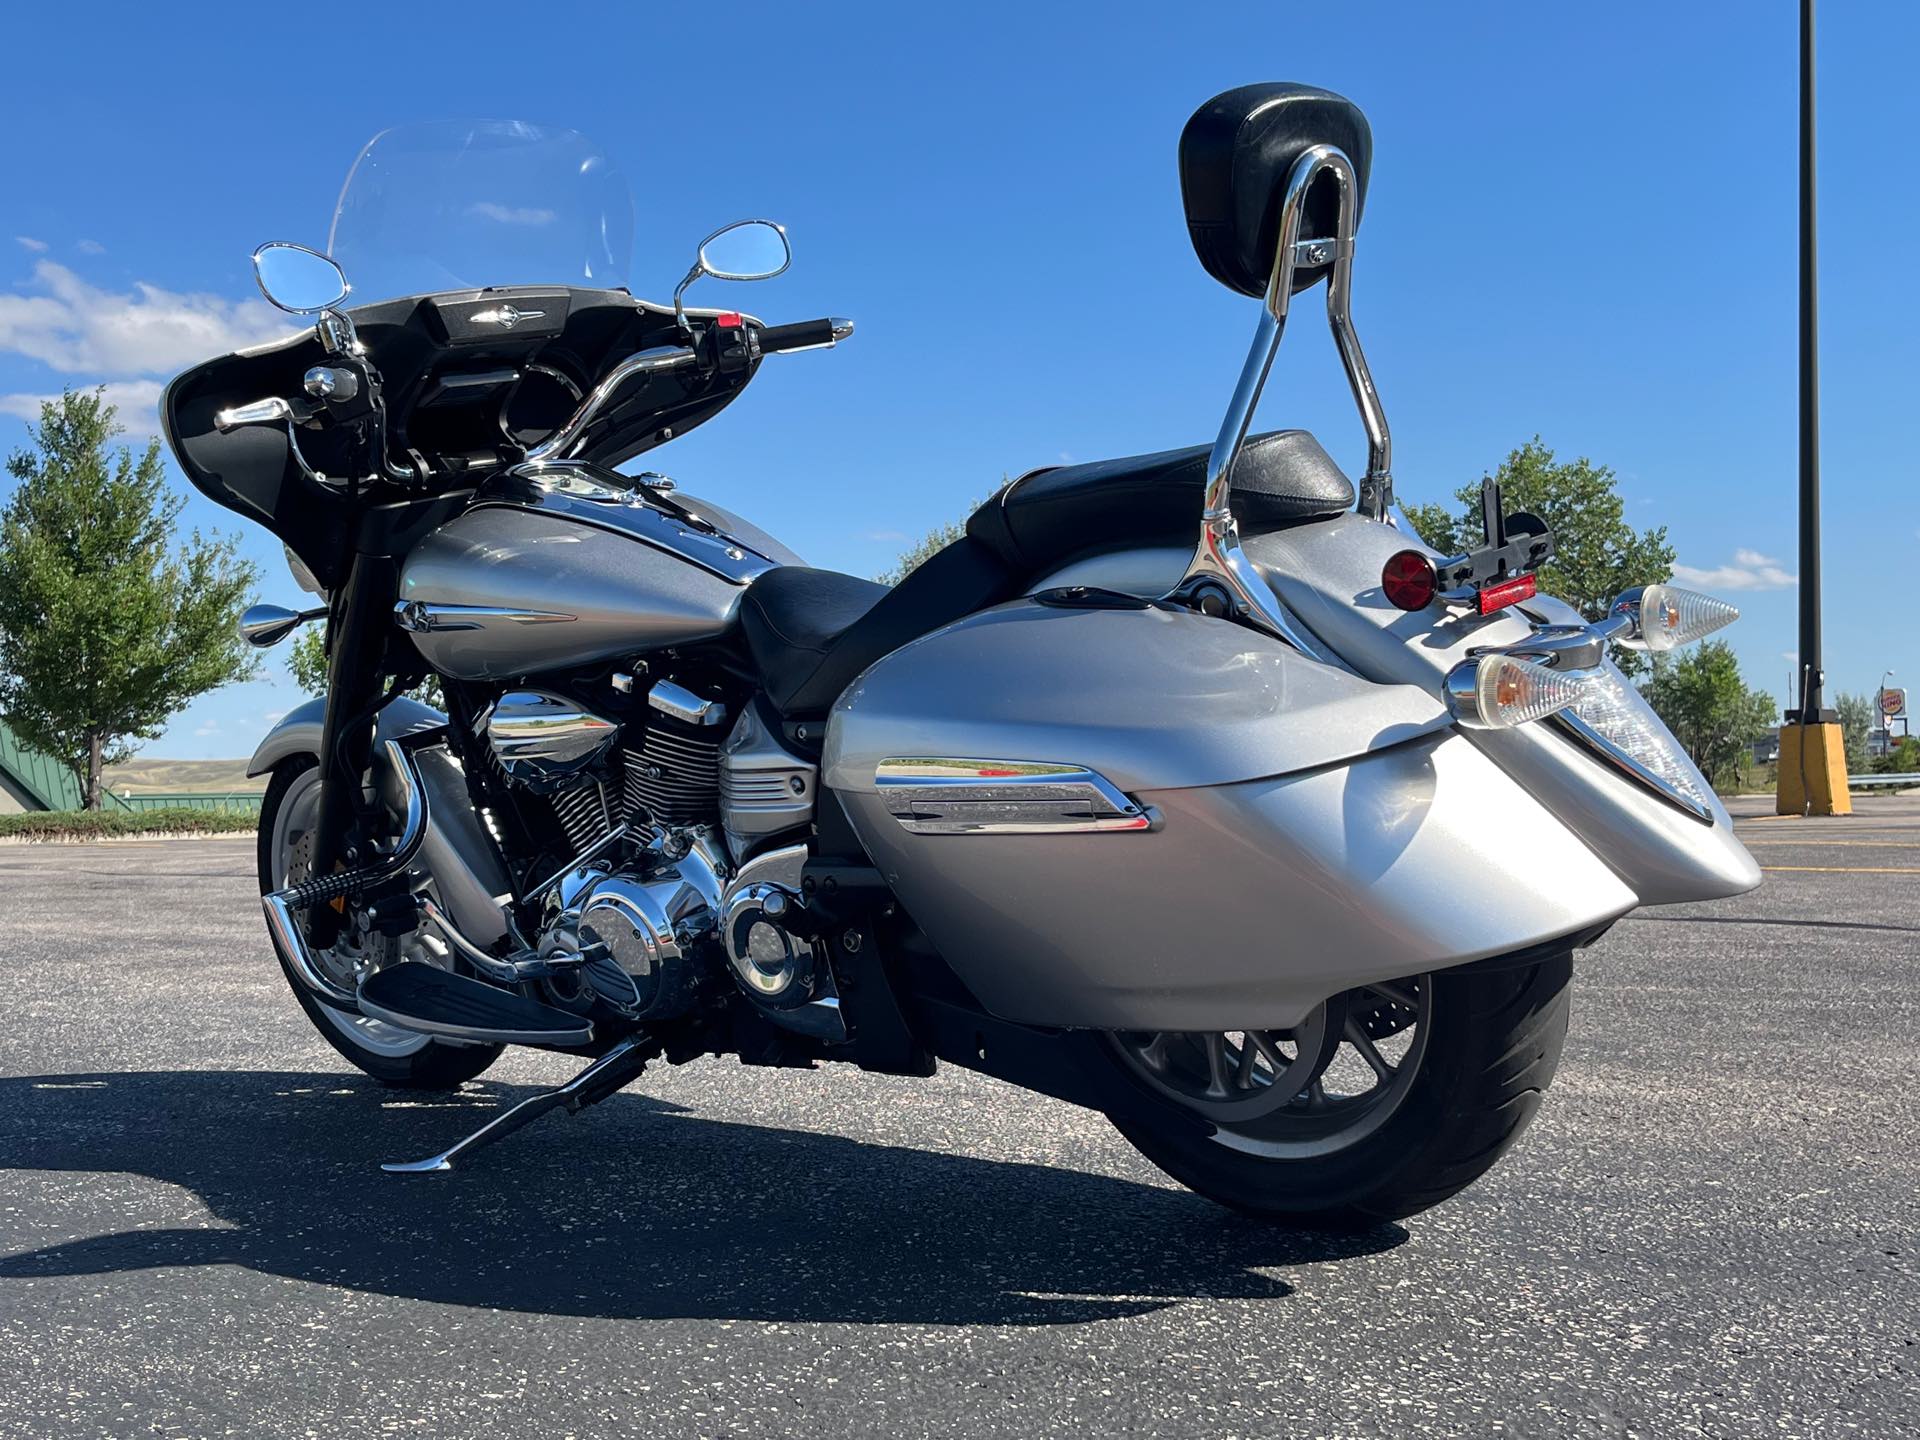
1671,617
1497,692
1410,580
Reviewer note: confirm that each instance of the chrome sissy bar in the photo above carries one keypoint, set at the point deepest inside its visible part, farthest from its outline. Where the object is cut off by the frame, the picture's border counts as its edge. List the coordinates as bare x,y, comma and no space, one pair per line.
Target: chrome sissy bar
1221,579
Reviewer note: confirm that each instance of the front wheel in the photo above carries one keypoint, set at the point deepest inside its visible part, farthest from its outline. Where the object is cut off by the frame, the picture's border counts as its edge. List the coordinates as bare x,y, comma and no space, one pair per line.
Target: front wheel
402,1058
1421,1086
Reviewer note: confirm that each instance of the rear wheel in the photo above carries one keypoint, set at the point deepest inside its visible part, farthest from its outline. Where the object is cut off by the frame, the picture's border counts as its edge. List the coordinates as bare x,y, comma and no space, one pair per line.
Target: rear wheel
1383,1102
394,1056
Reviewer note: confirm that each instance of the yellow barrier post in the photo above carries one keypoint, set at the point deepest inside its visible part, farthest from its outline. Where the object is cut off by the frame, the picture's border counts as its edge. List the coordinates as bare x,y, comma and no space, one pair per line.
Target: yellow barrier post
1813,771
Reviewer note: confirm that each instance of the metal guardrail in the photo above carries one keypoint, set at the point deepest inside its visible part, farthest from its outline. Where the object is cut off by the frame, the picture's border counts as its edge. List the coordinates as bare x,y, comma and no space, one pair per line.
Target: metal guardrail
232,802
1909,781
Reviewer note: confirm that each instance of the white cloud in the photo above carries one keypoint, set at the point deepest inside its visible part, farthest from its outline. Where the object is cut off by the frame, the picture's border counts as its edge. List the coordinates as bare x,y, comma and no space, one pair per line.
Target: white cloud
1750,570
1792,657
274,717
29,243
211,727
138,403
510,214
76,328
884,537
90,247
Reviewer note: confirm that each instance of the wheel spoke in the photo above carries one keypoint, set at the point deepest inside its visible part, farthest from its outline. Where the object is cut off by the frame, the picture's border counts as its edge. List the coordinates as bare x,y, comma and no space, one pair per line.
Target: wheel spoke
1369,1052
1216,1048
1267,1048
1398,994
1244,1076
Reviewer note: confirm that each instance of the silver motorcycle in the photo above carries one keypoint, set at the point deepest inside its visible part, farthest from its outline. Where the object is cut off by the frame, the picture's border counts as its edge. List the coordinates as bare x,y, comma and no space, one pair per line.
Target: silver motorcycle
1190,787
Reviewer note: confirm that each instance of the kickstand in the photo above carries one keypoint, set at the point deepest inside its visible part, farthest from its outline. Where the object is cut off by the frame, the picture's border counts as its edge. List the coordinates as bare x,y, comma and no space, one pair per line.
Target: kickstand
613,1071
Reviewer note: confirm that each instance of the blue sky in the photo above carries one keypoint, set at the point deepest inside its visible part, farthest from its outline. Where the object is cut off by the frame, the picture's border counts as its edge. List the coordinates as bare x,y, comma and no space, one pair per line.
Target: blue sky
1581,224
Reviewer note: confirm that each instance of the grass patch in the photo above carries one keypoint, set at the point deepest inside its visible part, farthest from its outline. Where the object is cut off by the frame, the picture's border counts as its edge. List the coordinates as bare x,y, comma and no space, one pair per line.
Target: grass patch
106,824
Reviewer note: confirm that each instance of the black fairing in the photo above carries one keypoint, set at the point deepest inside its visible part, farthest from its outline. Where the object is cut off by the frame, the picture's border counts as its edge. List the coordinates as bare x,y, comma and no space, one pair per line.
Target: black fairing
464,433
1235,155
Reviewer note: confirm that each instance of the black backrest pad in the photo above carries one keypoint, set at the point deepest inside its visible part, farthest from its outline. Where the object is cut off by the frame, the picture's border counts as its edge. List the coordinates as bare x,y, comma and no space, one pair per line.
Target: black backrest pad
1235,155
1049,517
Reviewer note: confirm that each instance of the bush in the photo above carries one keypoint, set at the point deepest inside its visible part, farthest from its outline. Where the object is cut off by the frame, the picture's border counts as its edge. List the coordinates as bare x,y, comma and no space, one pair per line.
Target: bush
105,824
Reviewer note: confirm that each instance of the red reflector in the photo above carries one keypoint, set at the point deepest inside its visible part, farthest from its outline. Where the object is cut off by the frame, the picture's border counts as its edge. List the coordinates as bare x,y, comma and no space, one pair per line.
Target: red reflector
1498,597
728,319
1409,580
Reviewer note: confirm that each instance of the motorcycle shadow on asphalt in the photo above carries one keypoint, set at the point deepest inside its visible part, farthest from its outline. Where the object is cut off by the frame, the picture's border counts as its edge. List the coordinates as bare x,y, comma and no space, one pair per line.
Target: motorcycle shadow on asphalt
637,1209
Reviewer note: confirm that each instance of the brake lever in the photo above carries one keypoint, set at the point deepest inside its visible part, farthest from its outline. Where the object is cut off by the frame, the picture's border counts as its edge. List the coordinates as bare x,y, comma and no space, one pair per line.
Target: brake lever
265,412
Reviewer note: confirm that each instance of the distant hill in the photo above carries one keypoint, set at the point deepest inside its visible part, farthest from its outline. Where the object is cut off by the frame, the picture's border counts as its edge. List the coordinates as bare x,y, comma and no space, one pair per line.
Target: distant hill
146,777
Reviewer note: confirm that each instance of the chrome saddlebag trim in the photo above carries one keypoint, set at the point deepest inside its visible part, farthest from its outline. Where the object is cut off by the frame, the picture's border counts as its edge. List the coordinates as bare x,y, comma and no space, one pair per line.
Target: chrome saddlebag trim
942,795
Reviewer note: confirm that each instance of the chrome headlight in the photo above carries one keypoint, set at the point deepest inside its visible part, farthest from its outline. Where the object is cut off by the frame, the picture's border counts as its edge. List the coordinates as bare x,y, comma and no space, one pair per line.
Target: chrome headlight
1611,716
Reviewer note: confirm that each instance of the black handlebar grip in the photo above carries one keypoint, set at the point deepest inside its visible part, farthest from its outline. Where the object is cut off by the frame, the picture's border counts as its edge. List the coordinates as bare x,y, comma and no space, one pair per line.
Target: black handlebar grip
797,336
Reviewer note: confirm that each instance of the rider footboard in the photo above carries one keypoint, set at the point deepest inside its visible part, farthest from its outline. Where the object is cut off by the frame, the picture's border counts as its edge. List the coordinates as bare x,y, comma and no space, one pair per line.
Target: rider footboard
1145,819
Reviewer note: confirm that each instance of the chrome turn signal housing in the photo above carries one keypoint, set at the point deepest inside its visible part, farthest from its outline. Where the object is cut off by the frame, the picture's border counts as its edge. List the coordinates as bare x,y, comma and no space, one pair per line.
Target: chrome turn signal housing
1664,617
1497,692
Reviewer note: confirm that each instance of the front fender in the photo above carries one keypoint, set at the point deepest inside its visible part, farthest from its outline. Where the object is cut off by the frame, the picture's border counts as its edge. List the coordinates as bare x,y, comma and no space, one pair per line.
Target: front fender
299,730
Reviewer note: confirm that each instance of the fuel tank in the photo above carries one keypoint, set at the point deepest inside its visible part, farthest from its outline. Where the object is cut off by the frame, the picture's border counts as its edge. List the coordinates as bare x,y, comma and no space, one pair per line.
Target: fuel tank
562,565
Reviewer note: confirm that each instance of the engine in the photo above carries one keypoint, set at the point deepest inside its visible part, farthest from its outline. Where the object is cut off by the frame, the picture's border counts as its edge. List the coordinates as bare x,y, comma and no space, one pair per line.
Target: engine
699,886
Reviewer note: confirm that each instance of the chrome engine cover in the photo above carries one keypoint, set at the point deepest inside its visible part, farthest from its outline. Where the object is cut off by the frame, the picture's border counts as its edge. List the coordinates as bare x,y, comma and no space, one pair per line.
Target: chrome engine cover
650,936
764,787
544,741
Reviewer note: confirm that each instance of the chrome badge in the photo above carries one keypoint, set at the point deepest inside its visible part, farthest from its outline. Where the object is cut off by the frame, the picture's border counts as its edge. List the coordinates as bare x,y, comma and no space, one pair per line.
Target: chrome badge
505,316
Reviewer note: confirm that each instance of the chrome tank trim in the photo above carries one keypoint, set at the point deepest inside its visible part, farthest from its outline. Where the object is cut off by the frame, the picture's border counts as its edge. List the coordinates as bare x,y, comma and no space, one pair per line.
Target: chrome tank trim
424,617
609,500
936,795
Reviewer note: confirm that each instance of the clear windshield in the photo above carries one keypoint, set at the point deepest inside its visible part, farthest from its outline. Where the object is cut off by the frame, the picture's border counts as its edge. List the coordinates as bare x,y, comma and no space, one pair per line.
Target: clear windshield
455,204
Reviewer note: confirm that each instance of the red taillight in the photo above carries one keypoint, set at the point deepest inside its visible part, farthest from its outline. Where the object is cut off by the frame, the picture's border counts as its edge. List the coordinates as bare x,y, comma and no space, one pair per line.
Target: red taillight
1409,580
1507,592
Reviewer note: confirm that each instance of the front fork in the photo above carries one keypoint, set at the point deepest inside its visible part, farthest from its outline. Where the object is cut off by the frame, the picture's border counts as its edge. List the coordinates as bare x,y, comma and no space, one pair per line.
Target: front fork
360,627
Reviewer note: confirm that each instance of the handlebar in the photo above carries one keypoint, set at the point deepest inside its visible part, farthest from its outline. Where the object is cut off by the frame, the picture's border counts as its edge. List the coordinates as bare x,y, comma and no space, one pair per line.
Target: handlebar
804,335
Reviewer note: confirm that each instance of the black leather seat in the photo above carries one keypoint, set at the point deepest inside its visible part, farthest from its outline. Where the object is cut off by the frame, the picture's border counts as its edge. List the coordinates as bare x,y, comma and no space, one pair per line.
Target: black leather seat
1049,517
811,632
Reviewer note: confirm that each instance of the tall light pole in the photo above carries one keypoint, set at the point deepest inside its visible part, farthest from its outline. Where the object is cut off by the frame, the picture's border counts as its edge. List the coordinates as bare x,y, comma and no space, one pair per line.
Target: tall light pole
1813,678
1813,758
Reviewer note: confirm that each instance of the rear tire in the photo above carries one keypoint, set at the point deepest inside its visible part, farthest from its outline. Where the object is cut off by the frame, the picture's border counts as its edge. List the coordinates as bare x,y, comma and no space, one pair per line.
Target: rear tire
1494,1040
404,1061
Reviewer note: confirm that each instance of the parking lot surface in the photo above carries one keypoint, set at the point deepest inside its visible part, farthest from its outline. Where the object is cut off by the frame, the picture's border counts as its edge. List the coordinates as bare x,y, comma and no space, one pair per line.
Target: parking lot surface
1712,1228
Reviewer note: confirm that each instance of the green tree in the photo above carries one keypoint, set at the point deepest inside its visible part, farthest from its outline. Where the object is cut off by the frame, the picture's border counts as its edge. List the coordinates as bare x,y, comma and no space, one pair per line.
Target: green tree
307,663
1902,759
923,550
106,630
1701,696
307,658
1856,719
1597,554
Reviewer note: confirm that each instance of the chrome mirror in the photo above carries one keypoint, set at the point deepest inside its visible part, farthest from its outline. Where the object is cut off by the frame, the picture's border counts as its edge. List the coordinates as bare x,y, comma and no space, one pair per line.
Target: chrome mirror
265,625
744,250
298,280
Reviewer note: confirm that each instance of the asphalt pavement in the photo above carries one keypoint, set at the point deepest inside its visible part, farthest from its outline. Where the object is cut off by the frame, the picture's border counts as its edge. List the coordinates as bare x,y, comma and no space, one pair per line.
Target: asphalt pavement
1712,1228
